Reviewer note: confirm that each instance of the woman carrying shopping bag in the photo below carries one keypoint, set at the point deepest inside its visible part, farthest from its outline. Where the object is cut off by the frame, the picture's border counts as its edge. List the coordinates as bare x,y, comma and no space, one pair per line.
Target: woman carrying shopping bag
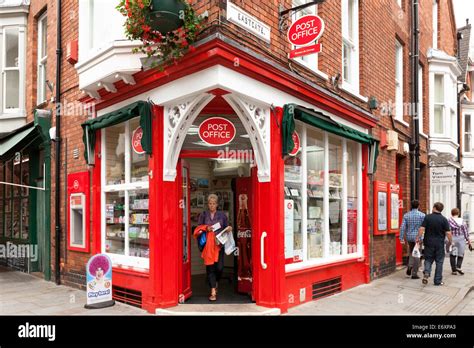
460,238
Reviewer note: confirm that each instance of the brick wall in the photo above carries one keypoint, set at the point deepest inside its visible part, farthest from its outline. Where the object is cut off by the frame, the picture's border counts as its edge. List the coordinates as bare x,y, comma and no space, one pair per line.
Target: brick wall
381,23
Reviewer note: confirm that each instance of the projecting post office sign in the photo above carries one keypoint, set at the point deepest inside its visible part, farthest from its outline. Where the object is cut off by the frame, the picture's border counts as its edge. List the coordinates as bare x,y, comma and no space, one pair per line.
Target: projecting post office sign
244,20
304,34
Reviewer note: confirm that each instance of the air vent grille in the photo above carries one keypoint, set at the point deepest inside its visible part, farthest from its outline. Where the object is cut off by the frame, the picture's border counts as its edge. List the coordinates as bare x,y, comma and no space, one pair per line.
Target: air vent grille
128,296
326,288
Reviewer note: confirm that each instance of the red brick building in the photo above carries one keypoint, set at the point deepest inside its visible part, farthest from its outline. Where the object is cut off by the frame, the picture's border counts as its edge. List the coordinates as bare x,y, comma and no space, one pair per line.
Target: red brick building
323,243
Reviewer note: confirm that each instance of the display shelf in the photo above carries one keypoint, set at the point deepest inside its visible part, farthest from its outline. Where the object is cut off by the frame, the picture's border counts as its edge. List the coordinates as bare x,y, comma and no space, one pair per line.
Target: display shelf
115,223
115,239
141,241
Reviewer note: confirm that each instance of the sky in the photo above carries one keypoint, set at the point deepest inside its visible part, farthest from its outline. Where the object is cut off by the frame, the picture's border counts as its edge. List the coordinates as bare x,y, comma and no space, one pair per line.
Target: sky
465,9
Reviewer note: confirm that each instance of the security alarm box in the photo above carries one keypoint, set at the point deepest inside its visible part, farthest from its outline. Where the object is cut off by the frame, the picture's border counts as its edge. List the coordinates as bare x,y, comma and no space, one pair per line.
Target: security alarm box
78,206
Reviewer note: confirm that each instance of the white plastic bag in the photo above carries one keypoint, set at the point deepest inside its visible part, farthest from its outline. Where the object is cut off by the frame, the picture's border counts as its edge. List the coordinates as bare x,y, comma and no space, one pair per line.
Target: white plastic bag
416,251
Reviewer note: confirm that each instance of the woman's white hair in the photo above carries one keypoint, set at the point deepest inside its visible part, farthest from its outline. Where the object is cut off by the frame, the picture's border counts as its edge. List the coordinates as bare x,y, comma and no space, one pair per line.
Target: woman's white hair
214,197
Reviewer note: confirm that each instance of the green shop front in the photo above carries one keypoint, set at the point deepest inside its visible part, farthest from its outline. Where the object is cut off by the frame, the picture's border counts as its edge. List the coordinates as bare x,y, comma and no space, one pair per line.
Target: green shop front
25,206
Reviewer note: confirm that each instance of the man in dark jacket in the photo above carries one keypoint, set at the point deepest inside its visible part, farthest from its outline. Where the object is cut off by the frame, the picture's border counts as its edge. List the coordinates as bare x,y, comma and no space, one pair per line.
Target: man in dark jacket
436,228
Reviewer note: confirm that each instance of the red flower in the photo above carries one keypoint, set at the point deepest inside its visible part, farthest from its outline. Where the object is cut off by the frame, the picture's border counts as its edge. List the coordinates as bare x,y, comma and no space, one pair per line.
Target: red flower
146,28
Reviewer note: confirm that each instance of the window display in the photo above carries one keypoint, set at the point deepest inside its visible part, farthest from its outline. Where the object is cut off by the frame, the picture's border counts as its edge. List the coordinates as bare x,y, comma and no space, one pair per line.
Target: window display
315,201
293,209
322,198
126,196
14,200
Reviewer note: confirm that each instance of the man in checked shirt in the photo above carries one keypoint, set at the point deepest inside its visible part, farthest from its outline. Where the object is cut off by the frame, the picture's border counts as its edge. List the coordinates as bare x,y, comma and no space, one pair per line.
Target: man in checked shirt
409,231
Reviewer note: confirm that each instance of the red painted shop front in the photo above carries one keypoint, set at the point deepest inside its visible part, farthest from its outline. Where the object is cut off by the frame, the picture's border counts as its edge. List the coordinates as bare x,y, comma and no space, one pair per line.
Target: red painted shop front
160,278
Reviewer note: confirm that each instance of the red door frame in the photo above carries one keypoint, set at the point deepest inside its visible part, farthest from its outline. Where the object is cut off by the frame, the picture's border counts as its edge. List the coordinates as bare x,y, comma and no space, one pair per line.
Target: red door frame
398,245
185,287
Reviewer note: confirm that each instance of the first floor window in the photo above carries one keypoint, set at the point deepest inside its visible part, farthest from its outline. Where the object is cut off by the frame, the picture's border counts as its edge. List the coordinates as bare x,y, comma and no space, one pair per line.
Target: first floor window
125,195
11,69
467,133
322,202
439,107
42,57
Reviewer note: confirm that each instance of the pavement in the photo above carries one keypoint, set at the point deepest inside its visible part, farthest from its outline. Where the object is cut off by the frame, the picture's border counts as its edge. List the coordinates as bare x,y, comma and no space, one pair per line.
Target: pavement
398,294
25,294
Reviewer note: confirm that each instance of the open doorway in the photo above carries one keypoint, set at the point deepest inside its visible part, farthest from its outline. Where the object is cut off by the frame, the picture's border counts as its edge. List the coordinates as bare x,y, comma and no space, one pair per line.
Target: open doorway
231,184
227,171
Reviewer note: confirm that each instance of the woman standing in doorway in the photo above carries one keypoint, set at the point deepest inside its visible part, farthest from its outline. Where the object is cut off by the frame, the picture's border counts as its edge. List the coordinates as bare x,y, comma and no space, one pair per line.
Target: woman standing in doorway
210,218
460,237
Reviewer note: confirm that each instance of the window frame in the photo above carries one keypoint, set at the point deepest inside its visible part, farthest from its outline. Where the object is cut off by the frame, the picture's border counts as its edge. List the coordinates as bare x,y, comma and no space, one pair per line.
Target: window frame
399,81
435,24
140,263
313,60
442,104
420,99
42,60
350,38
468,134
4,69
306,262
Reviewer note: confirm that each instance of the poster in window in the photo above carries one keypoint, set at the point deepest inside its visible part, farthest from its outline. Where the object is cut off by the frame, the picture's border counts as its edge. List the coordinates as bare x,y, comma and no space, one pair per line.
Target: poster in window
382,210
394,214
289,228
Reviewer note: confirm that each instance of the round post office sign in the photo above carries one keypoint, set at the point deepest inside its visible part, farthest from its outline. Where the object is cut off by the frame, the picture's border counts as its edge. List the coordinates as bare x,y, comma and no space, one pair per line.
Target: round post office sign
217,131
297,142
137,136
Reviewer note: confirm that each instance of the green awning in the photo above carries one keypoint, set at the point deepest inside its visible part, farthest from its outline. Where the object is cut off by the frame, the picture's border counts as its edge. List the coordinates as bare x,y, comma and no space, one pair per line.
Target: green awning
140,109
15,142
321,121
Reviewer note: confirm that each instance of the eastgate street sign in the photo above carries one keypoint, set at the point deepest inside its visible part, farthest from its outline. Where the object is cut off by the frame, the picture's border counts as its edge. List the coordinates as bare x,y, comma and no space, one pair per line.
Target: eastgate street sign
244,20
217,131
306,31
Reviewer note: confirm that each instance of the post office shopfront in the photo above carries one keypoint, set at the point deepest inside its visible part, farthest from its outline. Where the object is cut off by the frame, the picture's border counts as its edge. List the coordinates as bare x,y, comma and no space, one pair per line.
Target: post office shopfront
306,181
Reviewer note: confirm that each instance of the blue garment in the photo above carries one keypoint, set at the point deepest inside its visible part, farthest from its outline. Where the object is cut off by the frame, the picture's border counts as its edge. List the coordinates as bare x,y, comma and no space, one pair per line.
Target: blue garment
434,253
411,223
219,217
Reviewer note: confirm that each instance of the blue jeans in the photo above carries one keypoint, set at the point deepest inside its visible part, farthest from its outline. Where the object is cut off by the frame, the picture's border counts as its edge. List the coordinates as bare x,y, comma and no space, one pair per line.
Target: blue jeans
434,252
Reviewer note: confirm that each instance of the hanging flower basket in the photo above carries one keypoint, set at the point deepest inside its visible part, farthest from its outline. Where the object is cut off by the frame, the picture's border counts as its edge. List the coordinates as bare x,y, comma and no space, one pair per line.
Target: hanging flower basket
166,28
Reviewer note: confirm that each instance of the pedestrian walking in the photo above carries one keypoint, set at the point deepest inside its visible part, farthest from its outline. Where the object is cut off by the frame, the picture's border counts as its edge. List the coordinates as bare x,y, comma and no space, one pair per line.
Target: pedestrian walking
434,230
408,232
460,237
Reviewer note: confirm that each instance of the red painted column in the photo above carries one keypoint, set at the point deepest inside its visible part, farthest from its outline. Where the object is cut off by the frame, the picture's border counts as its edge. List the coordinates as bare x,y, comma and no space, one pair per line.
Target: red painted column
269,288
96,197
164,236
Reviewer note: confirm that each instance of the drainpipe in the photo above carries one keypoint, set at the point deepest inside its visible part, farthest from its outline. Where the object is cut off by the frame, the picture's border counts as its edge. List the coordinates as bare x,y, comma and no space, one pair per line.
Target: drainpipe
57,209
415,139
464,89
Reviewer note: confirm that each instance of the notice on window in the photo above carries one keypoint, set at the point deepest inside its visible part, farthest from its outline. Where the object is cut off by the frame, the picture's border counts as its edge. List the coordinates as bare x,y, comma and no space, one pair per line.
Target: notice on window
382,211
394,211
289,228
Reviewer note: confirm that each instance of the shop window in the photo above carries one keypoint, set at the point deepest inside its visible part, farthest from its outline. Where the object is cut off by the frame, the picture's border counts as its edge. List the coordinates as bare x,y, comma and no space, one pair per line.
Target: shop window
125,195
315,193
322,199
42,57
335,195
